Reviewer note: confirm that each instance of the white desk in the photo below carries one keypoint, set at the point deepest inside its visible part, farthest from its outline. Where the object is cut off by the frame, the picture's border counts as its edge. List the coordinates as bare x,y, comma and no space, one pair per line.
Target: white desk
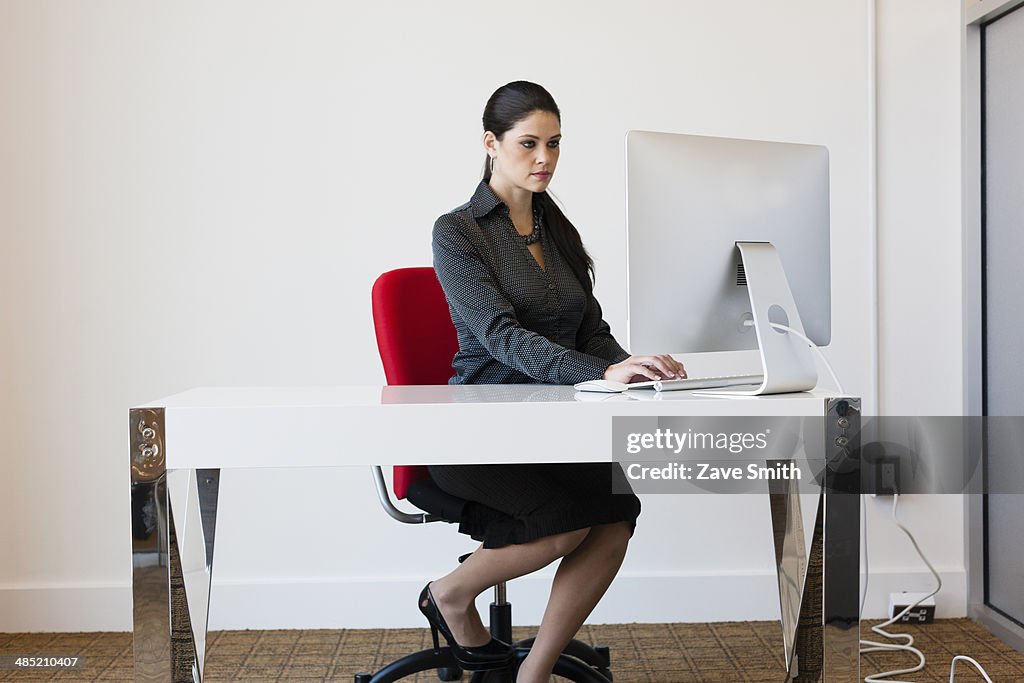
174,489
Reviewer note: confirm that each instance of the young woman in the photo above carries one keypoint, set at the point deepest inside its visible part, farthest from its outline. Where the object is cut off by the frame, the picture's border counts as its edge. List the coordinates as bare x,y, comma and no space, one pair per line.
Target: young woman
519,286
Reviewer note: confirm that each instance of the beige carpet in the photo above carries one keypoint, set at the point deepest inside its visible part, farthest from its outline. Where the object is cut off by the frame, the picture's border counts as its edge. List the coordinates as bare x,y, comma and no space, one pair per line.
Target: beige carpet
648,653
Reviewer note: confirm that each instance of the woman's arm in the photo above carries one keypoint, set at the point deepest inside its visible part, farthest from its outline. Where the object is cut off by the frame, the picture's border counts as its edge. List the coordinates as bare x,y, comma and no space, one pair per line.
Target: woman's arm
595,335
475,298
595,338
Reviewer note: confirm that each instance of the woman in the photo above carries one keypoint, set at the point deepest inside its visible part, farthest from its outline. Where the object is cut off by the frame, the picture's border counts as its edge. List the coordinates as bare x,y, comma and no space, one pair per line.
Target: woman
518,283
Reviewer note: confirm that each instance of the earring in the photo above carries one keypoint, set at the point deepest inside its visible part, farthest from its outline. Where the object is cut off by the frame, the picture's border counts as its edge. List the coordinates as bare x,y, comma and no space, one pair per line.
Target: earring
492,165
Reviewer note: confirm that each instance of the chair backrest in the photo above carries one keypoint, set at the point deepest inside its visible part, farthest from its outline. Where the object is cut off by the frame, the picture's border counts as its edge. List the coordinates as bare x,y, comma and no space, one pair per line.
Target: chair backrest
415,337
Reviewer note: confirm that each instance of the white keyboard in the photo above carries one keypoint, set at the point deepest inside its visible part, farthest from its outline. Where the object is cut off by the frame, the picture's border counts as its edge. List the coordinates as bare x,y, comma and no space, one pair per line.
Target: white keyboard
698,383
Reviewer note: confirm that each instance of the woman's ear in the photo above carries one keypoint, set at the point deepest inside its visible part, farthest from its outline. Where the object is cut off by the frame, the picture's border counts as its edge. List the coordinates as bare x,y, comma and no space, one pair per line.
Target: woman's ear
490,141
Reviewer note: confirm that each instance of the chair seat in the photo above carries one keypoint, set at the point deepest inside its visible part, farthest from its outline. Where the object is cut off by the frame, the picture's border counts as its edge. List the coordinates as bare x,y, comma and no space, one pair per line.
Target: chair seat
427,496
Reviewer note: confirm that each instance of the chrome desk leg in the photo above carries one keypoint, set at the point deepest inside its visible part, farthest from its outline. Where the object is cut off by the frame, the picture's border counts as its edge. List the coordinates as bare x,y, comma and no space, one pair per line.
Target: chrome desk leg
193,503
790,557
166,647
150,547
841,541
828,635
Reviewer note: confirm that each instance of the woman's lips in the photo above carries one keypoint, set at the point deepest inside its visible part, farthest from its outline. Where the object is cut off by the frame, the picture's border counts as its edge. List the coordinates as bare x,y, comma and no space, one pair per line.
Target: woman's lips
542,176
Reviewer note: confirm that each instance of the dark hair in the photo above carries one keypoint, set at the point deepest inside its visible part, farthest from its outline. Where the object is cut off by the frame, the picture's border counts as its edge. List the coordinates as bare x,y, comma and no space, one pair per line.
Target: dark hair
510,104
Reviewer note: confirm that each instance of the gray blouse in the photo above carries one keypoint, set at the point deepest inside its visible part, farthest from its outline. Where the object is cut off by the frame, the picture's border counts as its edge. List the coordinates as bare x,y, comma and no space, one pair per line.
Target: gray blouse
517,323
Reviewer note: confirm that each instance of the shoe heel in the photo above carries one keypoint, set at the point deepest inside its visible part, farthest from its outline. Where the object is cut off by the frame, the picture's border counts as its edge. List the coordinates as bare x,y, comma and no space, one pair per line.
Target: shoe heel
433,633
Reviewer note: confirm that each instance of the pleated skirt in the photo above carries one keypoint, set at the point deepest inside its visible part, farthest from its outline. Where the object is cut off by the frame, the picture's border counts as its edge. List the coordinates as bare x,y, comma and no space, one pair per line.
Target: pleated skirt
513,504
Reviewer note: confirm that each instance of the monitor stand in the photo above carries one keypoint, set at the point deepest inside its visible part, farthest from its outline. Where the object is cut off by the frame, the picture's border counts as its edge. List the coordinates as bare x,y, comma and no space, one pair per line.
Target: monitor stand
786,361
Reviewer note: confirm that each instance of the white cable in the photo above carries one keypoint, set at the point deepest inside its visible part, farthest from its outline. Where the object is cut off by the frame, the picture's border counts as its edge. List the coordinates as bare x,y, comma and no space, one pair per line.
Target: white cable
952,667
908,646
786,328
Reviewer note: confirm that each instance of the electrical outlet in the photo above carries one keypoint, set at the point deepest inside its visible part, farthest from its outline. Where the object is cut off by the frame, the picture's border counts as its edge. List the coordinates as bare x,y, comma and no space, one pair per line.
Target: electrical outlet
923,613
887,476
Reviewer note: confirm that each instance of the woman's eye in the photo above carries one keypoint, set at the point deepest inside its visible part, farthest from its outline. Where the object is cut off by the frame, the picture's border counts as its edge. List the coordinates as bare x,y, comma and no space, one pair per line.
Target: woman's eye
554,143
528,144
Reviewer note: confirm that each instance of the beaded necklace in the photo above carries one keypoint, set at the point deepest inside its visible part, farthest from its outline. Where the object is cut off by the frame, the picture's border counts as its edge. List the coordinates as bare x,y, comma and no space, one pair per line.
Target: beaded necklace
534,236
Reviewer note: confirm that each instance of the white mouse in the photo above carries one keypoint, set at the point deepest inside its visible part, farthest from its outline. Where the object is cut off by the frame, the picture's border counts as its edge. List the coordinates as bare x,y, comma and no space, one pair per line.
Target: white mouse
607,386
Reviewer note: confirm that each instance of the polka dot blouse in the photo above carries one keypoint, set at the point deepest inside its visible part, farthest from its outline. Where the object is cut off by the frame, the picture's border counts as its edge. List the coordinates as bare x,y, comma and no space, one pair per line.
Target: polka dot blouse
517,323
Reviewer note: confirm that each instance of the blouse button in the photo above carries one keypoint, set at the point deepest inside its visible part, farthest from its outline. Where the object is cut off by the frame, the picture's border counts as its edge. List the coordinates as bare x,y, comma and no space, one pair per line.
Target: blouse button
551,286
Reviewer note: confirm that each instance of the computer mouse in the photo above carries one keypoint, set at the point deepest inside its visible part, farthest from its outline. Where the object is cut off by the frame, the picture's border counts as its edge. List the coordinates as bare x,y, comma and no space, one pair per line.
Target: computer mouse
607,386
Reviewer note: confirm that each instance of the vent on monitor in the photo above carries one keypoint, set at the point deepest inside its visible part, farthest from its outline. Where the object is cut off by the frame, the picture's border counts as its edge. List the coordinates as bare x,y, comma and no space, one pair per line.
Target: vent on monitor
741,275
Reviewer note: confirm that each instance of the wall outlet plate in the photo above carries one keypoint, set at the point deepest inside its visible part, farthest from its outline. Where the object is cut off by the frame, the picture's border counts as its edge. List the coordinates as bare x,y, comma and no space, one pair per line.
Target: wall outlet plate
884,476
923,613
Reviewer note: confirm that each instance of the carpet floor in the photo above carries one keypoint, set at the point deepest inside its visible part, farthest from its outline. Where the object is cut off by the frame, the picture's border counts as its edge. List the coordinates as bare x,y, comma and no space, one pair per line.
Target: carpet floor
641,653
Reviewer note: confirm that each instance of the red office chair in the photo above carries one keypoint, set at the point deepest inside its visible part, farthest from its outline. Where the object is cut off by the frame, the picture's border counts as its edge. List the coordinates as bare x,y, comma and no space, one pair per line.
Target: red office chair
417,342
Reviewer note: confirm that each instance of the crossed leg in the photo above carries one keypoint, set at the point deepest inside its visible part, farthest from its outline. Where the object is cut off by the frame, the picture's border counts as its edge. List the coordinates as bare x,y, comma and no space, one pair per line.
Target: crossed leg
591,558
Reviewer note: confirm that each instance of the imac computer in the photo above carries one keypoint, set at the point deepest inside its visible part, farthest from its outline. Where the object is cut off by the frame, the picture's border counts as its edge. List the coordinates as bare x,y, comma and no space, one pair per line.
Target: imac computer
727,250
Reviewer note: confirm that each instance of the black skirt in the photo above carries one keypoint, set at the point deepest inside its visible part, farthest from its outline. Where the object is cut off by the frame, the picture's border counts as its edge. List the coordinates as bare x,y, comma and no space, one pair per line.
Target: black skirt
511,504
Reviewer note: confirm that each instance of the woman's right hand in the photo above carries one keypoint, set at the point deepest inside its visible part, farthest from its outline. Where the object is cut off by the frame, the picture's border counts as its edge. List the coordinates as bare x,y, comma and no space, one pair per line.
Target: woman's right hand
643,368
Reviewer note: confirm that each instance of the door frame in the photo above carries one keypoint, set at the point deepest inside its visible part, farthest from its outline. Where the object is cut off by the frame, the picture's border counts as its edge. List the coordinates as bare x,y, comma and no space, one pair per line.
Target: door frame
975,16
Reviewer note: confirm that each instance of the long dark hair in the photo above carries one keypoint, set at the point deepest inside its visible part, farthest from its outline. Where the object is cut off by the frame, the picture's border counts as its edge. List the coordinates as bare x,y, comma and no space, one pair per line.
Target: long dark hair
510,104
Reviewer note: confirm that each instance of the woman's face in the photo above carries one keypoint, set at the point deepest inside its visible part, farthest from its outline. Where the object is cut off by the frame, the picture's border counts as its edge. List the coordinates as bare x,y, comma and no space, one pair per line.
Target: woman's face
527,154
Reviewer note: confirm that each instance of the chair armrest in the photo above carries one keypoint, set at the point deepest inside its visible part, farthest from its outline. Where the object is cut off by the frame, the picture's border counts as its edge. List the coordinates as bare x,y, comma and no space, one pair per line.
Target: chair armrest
389,507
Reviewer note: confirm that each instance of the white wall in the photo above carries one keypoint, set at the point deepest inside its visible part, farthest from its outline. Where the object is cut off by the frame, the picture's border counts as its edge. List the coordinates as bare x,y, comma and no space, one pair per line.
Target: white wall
920,282
202,194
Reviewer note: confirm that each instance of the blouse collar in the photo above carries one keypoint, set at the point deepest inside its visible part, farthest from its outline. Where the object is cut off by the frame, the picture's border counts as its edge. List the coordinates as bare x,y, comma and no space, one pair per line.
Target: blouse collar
484,201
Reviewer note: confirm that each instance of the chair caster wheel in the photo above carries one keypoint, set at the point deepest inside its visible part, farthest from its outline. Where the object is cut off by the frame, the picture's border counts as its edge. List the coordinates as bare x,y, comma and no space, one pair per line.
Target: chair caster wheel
363,677
449,673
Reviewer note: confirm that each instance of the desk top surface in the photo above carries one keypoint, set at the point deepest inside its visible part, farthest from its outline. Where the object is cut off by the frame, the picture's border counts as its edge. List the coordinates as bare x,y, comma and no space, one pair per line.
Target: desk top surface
367,396
358,425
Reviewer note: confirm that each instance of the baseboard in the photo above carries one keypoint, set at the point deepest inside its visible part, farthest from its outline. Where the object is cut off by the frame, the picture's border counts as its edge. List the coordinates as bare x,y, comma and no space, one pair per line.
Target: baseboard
375,603
65,608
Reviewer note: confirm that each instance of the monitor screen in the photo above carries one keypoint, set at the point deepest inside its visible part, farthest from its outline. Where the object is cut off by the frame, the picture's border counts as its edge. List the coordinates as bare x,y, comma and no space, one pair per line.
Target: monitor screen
689,199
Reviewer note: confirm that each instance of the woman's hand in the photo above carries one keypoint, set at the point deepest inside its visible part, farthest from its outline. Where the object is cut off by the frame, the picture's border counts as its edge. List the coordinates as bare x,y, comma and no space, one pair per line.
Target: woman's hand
642,368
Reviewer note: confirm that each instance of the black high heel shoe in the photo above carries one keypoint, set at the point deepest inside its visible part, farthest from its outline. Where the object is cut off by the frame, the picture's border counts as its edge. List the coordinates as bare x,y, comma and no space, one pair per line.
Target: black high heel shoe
494,655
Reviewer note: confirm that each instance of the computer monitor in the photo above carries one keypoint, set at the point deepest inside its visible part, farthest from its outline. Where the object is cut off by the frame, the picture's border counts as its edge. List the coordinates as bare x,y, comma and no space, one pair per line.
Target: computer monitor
689,200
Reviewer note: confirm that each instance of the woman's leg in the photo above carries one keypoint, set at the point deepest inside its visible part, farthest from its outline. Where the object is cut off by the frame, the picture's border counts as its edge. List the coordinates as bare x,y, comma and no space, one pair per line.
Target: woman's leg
582,578
456,592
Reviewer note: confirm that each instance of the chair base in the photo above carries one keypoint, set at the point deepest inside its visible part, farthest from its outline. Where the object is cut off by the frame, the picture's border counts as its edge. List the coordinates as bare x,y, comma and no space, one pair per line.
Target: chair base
596,657
578,662
424,660
572,667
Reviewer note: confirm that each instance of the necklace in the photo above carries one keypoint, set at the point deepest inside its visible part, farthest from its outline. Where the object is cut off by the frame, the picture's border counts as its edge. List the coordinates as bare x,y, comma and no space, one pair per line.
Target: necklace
534,236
